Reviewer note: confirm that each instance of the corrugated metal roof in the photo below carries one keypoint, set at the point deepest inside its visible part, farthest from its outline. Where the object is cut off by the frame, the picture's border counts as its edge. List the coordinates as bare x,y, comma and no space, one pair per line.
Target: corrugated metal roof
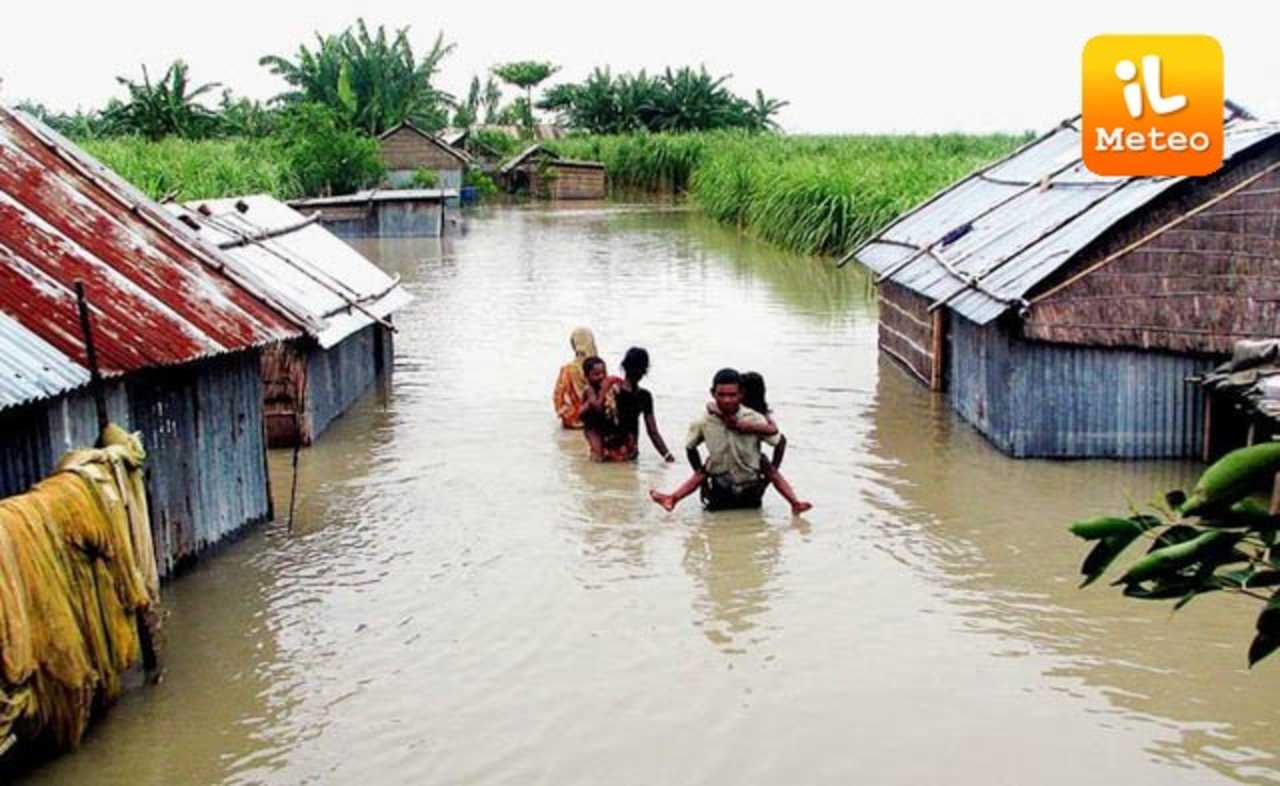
32,369
982,244
158,297
304,262
379,195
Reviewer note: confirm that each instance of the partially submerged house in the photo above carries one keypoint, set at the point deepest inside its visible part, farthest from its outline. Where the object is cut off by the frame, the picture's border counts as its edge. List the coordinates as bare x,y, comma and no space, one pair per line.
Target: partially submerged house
1242,397
309,381
540,172
406,212
407,149
1062,312
178,328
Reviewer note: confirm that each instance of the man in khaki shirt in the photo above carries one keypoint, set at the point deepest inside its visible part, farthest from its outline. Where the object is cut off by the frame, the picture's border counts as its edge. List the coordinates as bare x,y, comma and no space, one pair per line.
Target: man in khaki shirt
732,476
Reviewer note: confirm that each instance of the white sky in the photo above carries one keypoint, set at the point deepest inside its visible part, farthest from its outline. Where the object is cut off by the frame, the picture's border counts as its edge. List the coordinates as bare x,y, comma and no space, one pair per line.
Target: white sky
887,66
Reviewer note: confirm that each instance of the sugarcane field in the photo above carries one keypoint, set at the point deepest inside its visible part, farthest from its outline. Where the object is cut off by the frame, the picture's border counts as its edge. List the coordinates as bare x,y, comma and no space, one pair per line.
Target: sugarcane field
411,395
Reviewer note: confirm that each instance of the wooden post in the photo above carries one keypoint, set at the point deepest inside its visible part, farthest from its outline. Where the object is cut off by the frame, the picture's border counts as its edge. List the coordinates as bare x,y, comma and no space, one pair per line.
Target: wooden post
937,377
150,661
1206,449
1275,496
95,376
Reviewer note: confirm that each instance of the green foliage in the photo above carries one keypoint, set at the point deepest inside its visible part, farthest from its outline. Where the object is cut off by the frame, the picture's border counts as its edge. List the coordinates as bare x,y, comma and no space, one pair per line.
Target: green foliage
1227,545
370,81
80,124
482,183
501,143
526,75
243,117
811,194
682,100
204,169
426,178
164,108
325,155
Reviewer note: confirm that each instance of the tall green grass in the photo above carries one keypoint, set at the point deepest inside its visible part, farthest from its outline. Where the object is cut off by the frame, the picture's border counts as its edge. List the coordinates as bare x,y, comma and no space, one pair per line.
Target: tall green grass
811,194
199,169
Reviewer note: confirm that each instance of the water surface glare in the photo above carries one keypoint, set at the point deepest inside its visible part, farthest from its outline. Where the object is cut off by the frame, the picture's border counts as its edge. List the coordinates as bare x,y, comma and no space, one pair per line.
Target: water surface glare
466,599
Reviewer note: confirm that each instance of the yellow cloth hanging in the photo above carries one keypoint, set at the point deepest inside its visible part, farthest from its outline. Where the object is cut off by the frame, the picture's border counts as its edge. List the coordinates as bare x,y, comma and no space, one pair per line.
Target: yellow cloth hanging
77,573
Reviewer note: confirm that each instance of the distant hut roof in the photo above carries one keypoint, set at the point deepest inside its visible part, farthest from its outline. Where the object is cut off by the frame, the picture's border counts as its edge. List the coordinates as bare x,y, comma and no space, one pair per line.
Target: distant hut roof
1251,378
376,196
158,296
523,156
454,137
541,131
982,244
343,291
462,156
537,149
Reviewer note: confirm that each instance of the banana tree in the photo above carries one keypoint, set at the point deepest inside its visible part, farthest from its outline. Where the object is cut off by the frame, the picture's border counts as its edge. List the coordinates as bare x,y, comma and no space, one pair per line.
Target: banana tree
168,107
372,80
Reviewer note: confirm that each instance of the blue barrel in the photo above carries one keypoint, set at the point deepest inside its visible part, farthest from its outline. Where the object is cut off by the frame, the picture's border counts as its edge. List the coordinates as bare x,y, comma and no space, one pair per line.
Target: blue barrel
468,195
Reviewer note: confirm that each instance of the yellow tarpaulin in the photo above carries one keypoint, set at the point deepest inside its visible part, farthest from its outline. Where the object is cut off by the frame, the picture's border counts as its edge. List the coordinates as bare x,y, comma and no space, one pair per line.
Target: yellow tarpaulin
77,573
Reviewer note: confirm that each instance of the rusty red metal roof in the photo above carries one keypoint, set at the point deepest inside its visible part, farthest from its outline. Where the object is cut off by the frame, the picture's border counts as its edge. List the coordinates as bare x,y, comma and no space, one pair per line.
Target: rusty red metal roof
158,297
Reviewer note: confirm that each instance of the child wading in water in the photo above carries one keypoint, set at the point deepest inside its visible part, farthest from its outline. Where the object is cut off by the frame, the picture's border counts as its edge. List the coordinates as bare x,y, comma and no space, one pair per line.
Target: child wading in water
742,420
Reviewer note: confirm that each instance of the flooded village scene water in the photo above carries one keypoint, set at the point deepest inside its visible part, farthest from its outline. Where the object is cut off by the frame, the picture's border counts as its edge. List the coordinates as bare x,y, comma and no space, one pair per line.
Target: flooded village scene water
522,434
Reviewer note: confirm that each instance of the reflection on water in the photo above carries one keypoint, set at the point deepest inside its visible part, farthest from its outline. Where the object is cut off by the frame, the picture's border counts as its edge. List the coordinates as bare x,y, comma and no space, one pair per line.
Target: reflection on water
465,598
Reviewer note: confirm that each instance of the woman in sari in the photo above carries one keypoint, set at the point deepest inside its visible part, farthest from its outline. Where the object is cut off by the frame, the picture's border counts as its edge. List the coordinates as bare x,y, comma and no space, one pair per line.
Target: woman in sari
571,384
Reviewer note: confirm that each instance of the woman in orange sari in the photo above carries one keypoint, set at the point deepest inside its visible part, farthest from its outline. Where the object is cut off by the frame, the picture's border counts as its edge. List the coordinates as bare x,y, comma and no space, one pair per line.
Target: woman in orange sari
571,384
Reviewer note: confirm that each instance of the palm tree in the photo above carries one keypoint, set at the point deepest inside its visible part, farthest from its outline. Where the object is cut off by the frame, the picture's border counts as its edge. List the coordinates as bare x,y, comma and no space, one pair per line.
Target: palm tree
526,75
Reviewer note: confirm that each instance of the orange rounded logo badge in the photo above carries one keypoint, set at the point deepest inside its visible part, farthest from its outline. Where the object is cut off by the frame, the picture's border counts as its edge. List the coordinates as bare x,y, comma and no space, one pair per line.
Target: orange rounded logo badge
1153,105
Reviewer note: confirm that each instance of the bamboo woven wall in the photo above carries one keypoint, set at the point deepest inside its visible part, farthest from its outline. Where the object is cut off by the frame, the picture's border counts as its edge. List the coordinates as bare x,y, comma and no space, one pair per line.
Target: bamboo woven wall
571,182
906,329
1198,287
408,149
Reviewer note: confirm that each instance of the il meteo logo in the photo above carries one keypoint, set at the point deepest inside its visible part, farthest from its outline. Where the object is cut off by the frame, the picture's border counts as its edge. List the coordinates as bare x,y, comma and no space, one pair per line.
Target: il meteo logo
1152,105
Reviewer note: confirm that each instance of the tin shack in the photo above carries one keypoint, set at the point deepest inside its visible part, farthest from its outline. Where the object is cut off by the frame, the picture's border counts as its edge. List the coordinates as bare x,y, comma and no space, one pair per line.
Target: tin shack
416,212
1062,312
309,381
178,327
538,171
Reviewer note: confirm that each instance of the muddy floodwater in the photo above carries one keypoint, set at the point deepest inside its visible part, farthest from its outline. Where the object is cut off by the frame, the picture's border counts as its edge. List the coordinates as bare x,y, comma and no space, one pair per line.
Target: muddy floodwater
465,599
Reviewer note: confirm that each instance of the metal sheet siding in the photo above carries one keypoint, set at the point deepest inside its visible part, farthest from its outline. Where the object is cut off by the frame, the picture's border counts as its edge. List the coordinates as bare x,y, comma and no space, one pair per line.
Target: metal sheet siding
337,377
308,265
203,430
1033,399
157,299
1021,232
34,437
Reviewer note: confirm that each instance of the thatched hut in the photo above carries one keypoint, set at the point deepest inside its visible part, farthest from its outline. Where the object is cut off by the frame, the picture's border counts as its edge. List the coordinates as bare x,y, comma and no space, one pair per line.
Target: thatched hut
406,149
540,172
1062,312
